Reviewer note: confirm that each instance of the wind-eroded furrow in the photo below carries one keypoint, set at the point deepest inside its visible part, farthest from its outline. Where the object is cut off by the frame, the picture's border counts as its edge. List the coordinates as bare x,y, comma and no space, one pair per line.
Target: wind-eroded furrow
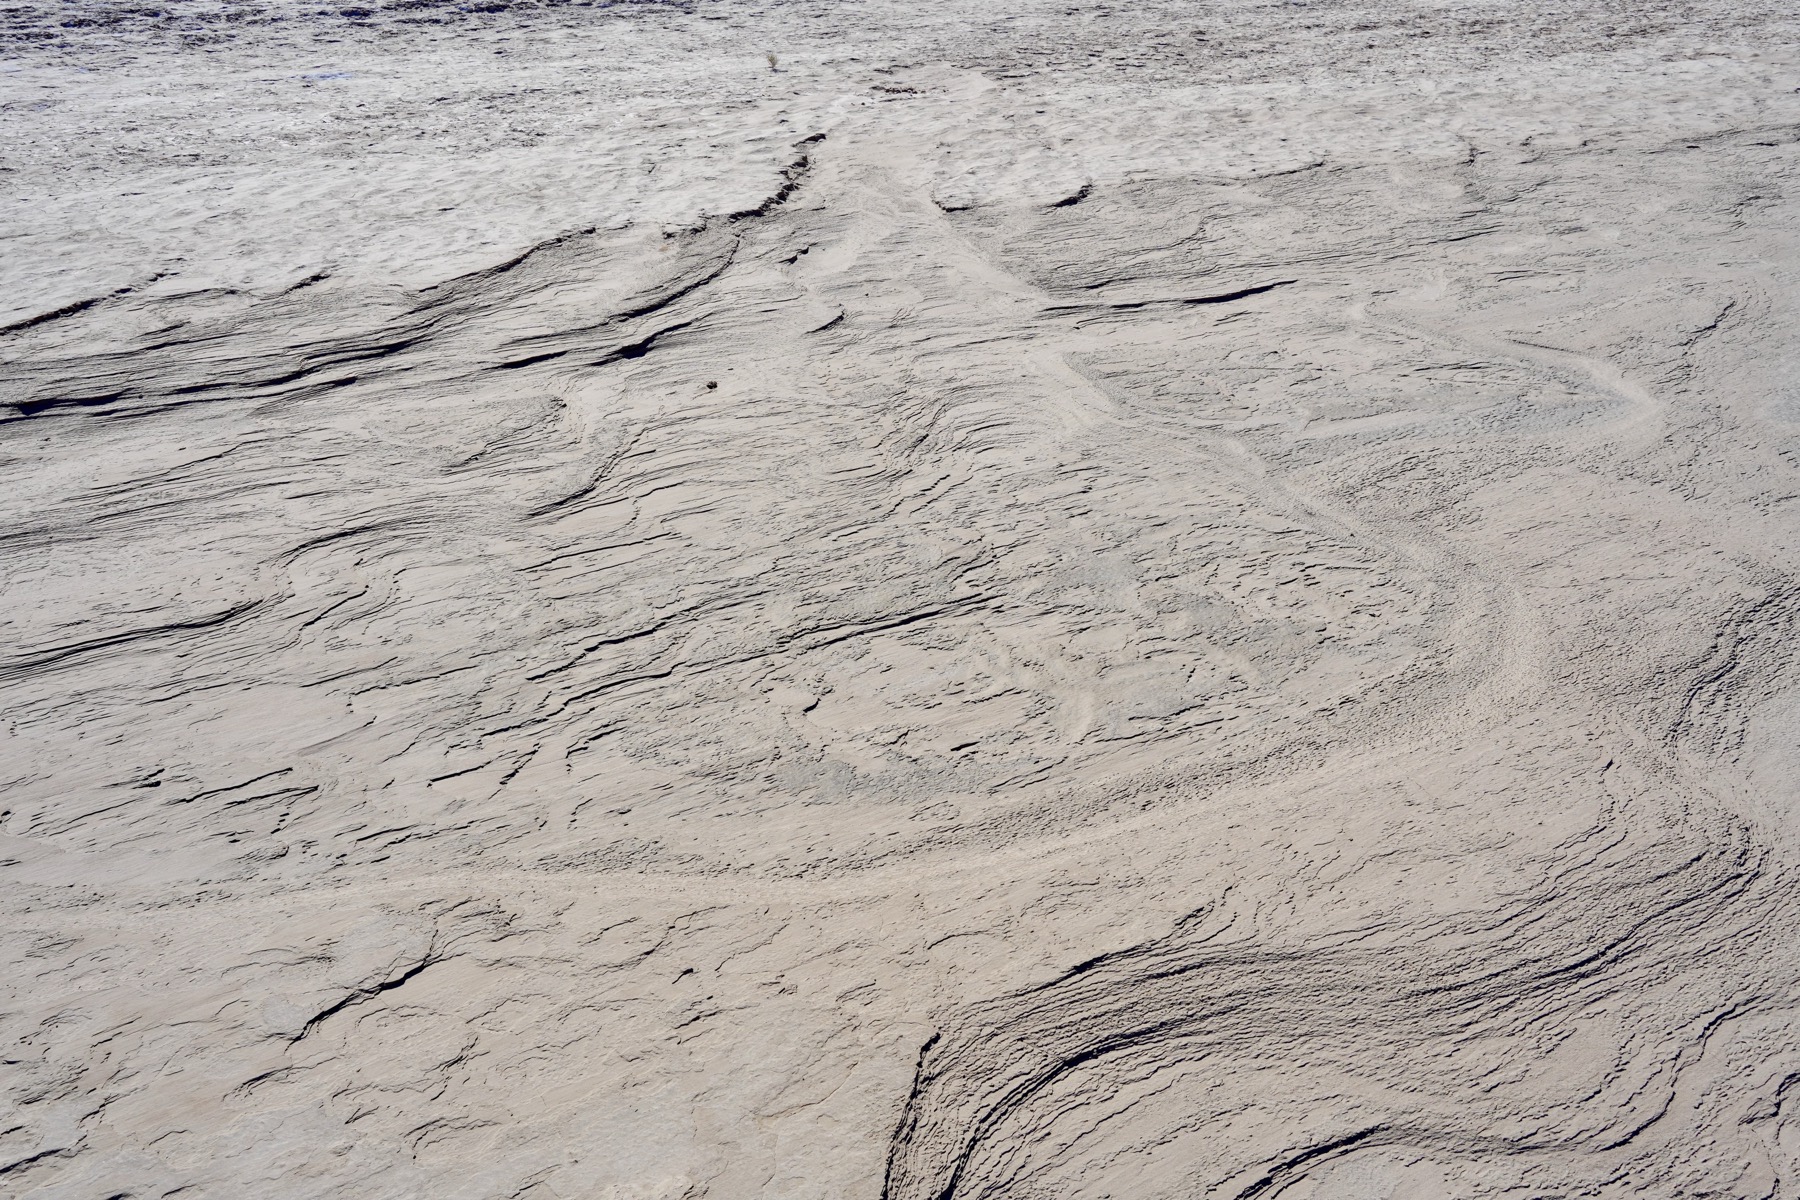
1377,1018
19,665
1746,665
548,347
454,330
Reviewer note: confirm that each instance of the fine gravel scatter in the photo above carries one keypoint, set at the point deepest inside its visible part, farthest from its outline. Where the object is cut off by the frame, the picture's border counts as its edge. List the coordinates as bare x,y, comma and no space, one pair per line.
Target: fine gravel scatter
660,601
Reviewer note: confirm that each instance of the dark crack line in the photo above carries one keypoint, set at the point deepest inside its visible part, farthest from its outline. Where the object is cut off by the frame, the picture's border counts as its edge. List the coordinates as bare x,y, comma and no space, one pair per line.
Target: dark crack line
362,994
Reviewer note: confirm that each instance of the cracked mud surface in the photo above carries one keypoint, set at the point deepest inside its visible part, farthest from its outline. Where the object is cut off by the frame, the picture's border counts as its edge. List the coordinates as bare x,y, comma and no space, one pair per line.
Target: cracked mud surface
1045,602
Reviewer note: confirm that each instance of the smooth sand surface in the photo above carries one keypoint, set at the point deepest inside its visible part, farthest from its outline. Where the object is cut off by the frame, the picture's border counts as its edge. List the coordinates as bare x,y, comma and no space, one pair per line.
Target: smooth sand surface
919,601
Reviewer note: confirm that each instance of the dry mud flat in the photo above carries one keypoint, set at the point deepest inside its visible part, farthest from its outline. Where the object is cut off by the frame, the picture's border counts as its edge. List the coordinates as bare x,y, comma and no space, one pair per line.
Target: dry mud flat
1040,602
